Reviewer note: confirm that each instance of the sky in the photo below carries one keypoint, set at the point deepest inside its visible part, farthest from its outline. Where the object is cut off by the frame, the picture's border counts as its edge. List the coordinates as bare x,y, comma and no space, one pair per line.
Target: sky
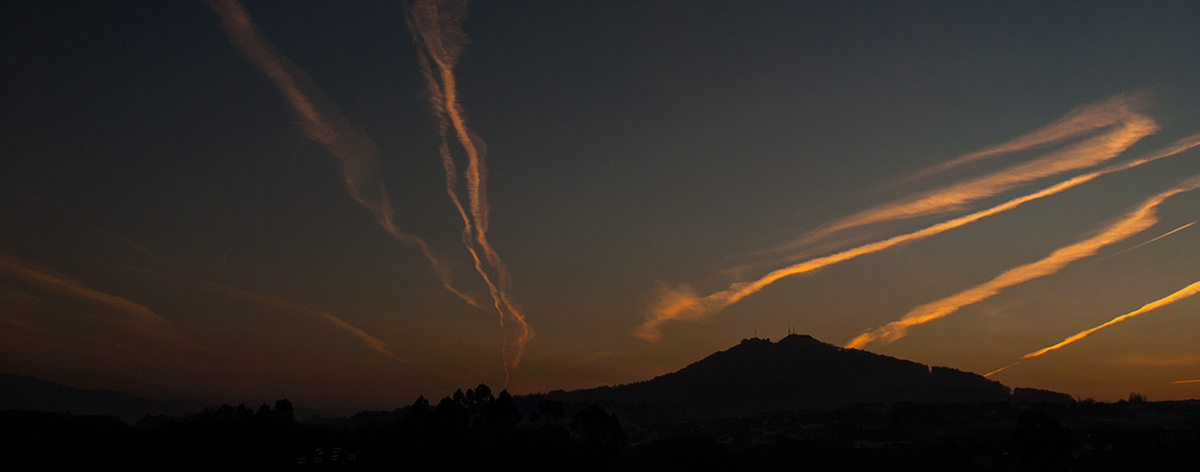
350,204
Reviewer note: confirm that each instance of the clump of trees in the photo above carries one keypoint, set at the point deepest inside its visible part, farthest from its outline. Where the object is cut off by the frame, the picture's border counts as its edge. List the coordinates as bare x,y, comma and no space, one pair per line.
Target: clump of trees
490,426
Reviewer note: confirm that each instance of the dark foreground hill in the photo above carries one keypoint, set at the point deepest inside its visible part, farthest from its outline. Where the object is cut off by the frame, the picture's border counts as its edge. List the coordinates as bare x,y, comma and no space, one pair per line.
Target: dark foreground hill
19,392
796,373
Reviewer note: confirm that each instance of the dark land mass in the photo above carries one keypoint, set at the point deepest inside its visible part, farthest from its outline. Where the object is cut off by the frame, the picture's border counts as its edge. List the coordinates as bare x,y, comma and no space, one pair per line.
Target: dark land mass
797,404
30,393
796,373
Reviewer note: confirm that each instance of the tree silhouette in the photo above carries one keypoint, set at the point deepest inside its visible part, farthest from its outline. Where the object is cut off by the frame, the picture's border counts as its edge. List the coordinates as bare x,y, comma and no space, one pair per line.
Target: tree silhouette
1040,440
548,413
284,411
598,429
502,414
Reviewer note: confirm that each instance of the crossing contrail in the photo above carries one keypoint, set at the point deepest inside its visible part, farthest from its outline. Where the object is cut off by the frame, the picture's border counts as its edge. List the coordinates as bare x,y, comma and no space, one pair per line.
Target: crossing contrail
1167,300
436,28
355,152
1168,233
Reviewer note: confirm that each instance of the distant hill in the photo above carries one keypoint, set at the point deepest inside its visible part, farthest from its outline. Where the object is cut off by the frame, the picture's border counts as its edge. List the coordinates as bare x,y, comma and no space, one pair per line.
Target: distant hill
30,393
798,372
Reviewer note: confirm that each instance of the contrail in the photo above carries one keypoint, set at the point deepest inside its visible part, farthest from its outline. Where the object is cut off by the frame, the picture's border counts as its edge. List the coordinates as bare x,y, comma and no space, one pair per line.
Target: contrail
1139,219
1180,381
681,302
142,316
1168,233
321,121
1167,300
371,341
436,28
1128,126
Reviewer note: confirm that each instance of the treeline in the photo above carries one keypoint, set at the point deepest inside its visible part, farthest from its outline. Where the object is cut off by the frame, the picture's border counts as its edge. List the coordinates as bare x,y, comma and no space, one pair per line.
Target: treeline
467,429
476,429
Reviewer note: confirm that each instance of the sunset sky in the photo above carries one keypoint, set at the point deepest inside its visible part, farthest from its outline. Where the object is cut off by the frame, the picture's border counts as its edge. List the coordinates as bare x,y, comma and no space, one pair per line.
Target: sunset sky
350,204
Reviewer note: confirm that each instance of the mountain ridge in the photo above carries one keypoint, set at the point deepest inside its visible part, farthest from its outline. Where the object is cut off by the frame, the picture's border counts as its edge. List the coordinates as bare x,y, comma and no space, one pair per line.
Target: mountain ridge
22,392
797,372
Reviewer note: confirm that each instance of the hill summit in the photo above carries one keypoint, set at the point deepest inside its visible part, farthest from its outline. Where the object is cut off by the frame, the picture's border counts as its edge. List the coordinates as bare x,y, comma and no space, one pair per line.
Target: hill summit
797,372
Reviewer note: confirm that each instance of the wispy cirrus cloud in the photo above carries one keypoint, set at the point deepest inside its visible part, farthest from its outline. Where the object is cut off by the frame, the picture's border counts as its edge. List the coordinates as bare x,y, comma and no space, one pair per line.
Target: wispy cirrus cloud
1120,117
1080,120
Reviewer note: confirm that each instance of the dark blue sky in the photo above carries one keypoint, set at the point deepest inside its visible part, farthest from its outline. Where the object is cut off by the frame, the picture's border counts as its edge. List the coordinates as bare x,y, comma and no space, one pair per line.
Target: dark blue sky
631,146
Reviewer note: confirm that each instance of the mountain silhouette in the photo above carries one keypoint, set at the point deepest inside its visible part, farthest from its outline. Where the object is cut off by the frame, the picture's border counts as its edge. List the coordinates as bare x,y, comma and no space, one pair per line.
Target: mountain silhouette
798,372
18,392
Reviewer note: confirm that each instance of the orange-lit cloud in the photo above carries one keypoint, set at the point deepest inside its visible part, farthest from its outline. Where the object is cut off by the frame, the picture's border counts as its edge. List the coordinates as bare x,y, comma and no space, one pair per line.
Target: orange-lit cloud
595,356
137,315
682,302
1126,125
321,121
1139,219
436,28
1167,300
371,341
1080,120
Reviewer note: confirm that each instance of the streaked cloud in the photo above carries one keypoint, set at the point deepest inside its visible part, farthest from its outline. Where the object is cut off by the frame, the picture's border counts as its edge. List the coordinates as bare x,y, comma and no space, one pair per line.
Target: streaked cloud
136,314
371,341
683,302
1080,120
595,356
1135,221
1124,125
